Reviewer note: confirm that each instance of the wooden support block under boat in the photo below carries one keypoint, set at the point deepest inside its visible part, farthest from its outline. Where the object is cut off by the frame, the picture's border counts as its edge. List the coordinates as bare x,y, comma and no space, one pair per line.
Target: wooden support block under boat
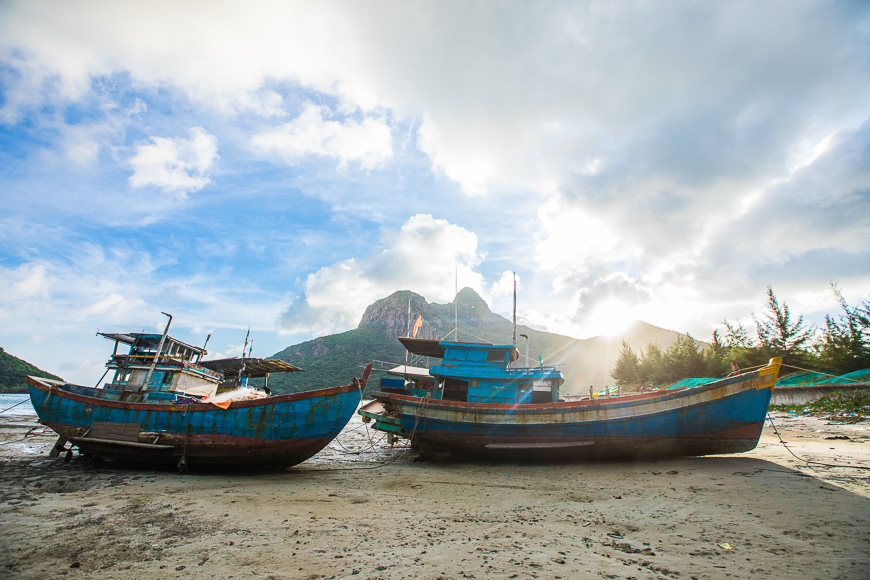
59,447
122,434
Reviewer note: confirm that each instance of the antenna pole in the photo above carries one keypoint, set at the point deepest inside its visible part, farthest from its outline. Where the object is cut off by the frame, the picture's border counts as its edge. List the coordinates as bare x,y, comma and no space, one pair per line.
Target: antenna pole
515,309
408,333
456,306
243,379
159,351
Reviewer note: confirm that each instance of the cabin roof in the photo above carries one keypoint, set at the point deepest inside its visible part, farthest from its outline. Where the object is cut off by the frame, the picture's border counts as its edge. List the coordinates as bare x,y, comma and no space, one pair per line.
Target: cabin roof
405,371
131,338
254,367
435,348
423,346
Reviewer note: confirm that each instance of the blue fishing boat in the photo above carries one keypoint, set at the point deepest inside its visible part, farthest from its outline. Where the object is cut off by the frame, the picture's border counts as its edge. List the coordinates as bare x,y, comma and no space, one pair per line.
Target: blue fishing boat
477,402
163,406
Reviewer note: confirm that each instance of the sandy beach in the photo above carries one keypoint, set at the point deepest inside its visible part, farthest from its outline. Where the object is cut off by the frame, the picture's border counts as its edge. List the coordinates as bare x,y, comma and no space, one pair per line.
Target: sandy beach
363,510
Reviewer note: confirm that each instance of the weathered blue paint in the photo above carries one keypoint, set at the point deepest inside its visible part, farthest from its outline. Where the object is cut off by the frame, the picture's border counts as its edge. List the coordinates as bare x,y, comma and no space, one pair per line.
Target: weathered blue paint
491,416
274,432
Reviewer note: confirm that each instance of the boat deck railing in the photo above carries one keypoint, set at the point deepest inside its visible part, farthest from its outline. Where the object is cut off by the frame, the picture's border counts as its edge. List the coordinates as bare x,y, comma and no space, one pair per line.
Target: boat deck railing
163,362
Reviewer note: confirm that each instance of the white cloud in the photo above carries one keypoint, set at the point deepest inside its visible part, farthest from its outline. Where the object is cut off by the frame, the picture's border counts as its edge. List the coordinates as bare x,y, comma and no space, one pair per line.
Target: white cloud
368,142
572,238
50,308
337,295
175,165
26,282
678,158
694,90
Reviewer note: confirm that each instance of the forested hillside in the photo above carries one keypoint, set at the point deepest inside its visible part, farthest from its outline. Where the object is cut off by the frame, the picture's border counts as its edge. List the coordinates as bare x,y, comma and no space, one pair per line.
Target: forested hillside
12,373
335,359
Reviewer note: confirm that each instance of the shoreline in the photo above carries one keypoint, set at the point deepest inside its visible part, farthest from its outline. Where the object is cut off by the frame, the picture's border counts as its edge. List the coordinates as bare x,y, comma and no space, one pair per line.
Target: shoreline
354,511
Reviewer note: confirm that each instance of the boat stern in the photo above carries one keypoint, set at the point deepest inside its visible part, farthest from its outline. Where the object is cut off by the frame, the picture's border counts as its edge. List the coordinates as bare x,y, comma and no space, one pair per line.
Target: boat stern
377,412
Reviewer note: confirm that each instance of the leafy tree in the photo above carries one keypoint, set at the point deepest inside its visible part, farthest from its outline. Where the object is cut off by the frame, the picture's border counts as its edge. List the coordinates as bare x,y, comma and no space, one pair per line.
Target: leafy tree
626,371
737,335
683,360
845,346
652,367
780,335
716,357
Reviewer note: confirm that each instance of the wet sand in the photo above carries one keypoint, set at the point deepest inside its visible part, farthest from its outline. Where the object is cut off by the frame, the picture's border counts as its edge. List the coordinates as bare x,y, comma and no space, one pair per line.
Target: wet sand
358,511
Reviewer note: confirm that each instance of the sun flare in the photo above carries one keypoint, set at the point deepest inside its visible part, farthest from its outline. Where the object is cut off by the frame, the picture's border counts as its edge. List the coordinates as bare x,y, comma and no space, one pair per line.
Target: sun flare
611,318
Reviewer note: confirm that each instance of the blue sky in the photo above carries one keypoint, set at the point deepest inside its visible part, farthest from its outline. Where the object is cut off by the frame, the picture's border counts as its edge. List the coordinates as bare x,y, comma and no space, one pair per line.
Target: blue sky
281,165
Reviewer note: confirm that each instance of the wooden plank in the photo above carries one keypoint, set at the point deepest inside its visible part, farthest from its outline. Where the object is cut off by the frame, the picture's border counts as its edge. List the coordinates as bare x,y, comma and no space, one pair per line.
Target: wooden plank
91,440
58,447
114,431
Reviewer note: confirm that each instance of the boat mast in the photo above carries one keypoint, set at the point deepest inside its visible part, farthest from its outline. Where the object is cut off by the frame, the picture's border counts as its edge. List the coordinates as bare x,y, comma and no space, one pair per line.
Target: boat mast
515,309
207,338
408,333
159,350
242,370
456,305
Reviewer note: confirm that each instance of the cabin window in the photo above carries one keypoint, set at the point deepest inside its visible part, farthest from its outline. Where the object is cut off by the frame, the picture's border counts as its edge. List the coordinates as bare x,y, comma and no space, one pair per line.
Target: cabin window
542,392
455,390
495,356
476,356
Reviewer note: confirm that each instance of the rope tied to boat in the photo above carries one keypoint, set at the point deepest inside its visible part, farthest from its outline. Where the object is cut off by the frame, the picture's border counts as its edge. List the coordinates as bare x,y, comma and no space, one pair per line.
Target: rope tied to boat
823,374
809,461
13,406
806,461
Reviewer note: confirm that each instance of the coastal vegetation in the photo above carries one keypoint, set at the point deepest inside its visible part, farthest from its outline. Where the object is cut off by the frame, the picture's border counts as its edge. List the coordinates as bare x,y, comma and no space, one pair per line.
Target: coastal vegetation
12,373
841,346
855,403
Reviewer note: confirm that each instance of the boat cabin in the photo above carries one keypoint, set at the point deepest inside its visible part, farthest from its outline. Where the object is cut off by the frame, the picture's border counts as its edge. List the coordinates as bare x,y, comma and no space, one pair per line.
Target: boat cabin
158,362
480,373
237,371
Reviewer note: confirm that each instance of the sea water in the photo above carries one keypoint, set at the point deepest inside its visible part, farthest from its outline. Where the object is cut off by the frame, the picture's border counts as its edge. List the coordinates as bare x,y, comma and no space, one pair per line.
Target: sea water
15,404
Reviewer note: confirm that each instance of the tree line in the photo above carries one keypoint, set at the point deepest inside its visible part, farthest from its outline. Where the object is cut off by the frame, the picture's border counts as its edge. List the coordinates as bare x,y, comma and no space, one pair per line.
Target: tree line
841,346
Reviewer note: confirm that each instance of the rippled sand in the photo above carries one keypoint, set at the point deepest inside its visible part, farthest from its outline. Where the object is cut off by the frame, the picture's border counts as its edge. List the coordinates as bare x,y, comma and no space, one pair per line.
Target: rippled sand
361,509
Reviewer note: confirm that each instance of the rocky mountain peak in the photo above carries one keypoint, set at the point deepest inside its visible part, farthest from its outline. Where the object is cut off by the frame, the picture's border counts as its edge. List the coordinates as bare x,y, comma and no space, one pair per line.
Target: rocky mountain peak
391,313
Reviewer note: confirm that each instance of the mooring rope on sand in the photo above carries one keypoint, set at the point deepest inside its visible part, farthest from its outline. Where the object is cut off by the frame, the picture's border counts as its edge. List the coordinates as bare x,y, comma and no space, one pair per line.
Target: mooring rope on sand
784,444
385,460
809,461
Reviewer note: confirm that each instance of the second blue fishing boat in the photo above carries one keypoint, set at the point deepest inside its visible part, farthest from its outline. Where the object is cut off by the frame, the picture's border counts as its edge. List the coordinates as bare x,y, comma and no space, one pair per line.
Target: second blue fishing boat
477,402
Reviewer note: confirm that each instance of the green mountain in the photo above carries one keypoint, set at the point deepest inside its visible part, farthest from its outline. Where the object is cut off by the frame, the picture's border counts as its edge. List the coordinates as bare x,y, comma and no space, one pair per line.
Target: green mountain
12,373
335,359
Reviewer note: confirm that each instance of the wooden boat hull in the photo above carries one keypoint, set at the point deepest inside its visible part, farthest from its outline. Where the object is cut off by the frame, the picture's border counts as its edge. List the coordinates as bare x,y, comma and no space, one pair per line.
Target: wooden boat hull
726,416
135,427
